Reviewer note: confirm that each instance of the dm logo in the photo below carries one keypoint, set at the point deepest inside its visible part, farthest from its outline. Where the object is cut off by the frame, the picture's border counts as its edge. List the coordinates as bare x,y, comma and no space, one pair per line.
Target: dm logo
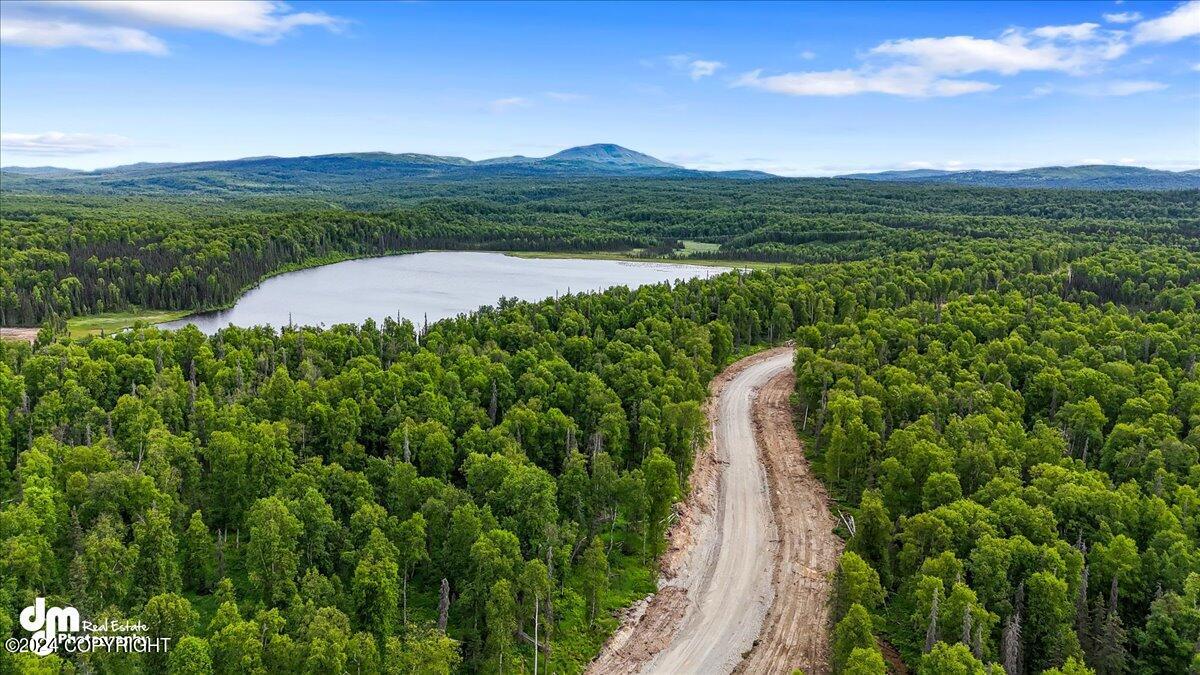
46,624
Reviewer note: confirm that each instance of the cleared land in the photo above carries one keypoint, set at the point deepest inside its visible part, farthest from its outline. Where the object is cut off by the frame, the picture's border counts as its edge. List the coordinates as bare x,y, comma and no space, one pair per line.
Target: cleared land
19,334
116,322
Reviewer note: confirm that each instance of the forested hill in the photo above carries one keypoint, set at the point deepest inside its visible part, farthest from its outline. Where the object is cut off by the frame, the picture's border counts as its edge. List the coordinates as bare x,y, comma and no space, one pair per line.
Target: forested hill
343,173
382,173
1092,177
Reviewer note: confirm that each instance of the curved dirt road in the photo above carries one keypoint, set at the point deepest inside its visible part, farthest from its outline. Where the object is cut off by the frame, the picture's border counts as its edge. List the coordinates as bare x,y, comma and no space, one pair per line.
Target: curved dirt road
745,582
716,584
731,588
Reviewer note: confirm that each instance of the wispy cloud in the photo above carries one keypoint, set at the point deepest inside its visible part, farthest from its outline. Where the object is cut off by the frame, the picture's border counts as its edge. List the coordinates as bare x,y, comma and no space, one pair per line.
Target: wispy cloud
1102,88
257,20
897,81
1119,88
1180,23
123,25
52,33
58,143
700,68
1123,17
696,68
1074,49
502,105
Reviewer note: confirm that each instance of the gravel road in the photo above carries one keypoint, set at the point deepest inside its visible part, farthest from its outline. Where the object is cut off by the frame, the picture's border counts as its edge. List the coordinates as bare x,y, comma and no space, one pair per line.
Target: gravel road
730,588
745,581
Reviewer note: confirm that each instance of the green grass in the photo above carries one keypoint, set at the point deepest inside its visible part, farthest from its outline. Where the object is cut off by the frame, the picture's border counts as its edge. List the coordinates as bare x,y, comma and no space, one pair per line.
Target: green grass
114,322
690,247
575,642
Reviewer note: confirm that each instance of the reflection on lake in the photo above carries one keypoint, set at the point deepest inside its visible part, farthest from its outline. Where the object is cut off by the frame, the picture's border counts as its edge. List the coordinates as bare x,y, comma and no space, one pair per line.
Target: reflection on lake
436,284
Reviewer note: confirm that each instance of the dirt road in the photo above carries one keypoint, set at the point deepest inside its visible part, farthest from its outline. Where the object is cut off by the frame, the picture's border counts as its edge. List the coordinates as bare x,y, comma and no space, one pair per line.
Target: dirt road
796,631
726,582
730,589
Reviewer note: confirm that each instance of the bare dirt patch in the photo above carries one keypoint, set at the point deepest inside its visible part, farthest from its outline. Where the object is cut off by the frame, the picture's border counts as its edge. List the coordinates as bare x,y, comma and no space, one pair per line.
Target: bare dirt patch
19,334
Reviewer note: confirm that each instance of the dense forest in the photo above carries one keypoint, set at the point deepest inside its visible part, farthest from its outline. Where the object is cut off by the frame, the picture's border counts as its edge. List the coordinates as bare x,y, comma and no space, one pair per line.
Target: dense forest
1022,467
64,256
1016,433
998,387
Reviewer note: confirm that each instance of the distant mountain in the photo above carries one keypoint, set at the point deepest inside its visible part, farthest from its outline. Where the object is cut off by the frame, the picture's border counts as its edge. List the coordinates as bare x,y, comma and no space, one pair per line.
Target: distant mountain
364,172
345,172
1089,177
609,155
40,171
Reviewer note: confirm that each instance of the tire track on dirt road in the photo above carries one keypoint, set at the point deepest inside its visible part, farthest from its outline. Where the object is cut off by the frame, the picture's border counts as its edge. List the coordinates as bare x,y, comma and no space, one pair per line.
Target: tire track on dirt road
796,631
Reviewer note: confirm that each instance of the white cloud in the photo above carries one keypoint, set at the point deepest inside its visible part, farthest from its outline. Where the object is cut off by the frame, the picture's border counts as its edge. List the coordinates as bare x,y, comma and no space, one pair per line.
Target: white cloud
1196,67
501,105
897,81
50,33
1119,88
1077,32
1104,88
696,68
257,20
1110,88
1073,49
1182,22
808,55
935,66
59,143
1123,17
121,25
700,68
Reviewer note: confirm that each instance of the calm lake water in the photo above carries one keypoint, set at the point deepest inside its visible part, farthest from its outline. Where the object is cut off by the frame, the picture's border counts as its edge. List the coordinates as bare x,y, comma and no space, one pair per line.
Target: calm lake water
437,284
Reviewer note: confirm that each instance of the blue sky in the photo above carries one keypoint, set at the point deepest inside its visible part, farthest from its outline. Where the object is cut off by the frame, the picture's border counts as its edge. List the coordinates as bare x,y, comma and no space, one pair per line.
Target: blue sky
797,89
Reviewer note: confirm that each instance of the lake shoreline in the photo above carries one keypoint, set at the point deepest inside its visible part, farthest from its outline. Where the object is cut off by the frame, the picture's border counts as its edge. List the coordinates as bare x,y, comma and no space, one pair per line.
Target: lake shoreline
83,325
410,278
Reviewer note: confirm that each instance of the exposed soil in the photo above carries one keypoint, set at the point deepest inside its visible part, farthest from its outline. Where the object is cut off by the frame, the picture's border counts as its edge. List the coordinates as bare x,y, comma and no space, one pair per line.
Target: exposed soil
19,334
796,631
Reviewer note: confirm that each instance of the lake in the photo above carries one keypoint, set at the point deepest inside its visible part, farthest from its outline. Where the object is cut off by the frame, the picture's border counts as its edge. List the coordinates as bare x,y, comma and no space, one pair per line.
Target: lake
436,285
